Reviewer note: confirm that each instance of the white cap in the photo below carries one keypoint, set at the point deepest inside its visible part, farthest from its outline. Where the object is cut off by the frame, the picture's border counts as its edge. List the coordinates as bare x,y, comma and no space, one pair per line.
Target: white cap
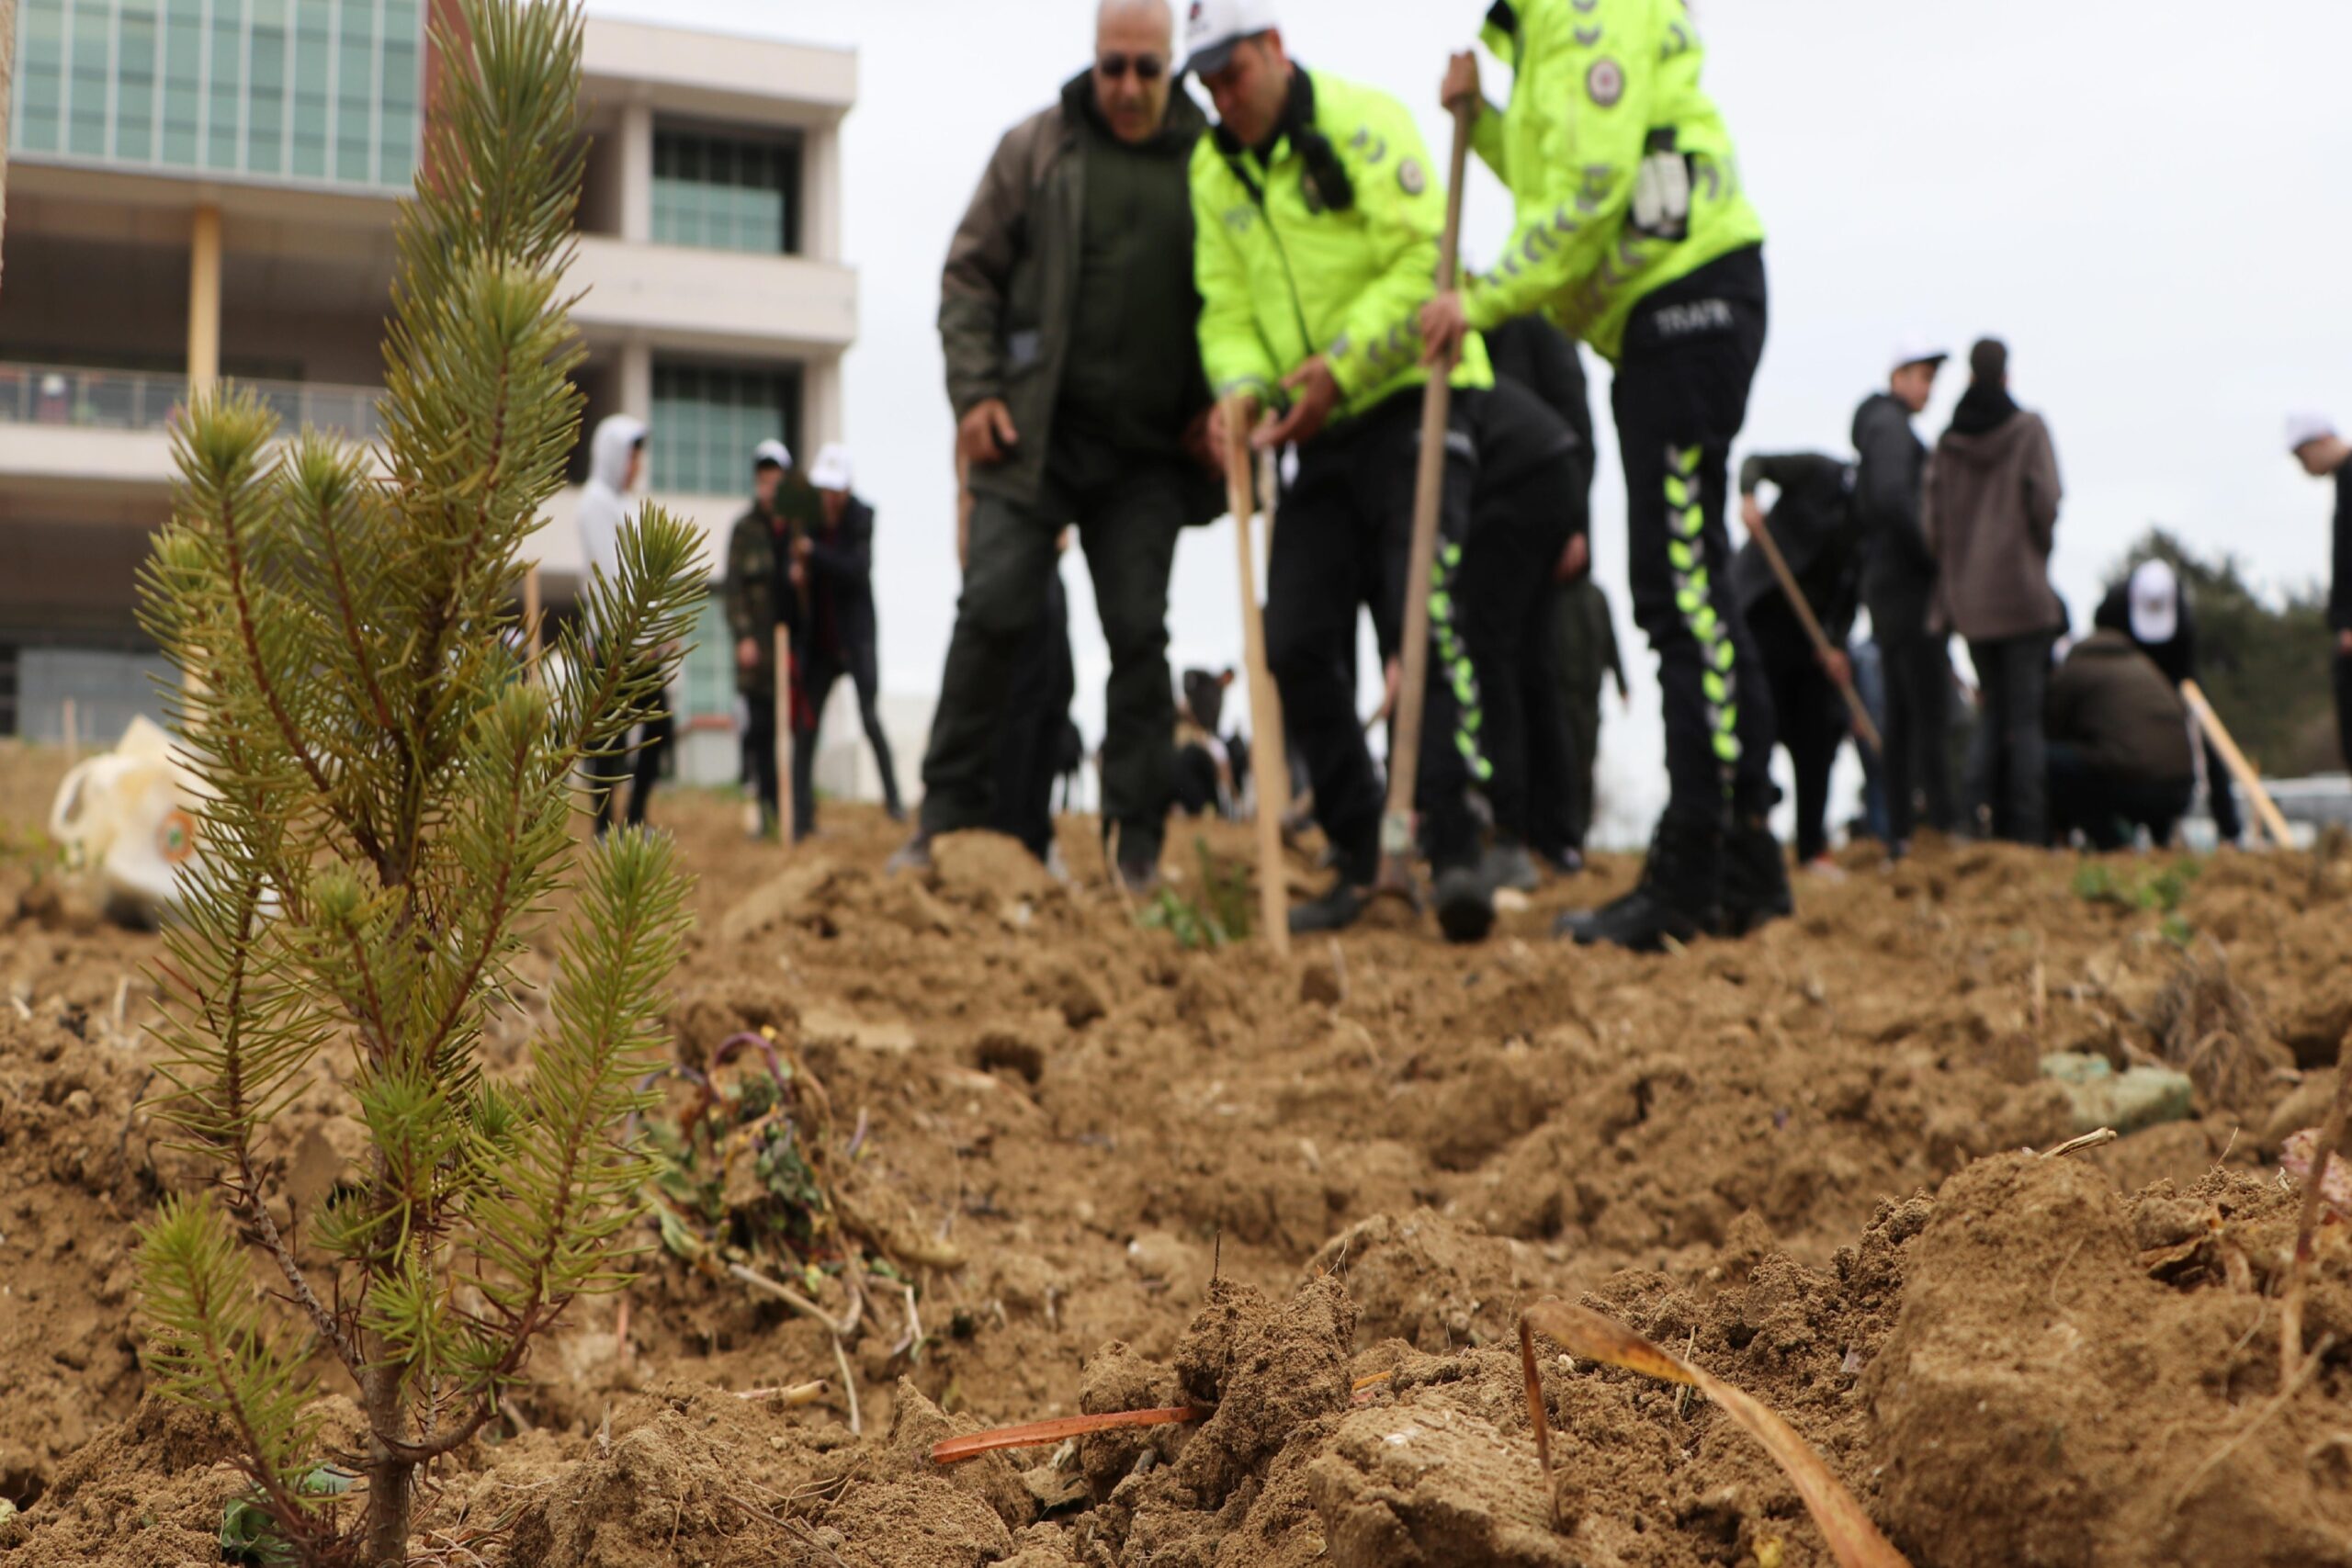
1917,349
771,451
832,468
1212,27
2303,427
2156,602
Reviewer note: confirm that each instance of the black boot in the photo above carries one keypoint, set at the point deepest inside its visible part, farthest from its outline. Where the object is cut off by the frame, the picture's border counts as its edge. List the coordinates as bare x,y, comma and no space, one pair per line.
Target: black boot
1466,903
1335,910
1678,897
1756,878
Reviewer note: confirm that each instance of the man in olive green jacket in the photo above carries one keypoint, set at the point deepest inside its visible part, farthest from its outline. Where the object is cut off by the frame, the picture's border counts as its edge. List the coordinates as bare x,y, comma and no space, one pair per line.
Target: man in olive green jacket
1065,314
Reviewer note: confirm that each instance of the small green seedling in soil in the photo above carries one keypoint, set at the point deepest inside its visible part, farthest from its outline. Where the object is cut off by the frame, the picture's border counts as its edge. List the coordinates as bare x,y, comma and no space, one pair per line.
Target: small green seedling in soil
1221,914
387,806
2097,882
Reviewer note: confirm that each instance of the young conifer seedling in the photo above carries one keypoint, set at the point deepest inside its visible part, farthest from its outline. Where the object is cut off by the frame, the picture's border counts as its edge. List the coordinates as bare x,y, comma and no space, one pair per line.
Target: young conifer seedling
385,822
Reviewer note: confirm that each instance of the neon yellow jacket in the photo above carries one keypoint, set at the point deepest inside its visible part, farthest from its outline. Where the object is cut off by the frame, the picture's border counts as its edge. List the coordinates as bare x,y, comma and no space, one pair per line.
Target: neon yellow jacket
1284,278
1594,79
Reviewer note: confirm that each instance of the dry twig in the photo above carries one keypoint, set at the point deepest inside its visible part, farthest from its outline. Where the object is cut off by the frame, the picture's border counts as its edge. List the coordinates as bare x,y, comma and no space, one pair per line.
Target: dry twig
1853,1539
1040,1434
2290,1305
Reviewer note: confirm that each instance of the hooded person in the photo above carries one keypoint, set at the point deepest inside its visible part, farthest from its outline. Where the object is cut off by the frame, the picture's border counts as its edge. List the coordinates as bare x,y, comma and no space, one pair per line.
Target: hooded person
615,461
1990,517
2151,608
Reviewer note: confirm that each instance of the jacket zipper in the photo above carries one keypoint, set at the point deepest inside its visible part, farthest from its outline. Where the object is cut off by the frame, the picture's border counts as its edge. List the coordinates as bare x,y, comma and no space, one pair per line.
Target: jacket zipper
1281,254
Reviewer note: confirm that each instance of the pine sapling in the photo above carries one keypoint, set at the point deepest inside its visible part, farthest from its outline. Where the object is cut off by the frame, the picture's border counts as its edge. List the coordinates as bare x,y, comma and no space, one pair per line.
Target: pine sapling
387,822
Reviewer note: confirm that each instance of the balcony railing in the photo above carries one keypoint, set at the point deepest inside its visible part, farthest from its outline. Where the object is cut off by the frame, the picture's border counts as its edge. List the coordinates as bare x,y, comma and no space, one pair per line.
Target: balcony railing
141,399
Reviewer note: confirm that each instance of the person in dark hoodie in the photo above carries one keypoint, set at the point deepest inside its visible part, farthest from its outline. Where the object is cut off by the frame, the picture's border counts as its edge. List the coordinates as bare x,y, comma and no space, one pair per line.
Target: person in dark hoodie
1067,314
838,634
2322,452
2119,751
1813,522
1990,516
2151,607
1898,584
1535,434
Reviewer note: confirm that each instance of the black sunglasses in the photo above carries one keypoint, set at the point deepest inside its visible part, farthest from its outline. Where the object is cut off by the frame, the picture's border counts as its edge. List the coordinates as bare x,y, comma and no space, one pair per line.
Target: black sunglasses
1147,67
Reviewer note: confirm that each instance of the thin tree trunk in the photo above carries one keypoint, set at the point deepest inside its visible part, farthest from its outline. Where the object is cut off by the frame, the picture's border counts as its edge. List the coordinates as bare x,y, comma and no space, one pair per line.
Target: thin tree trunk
388,1475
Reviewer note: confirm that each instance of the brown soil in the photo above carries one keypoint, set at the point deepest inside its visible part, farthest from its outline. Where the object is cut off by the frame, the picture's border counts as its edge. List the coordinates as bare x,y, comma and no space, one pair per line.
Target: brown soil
1194,1177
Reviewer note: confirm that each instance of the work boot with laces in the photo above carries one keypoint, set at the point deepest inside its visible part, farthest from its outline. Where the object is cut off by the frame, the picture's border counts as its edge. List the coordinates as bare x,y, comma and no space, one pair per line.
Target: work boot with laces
1677,899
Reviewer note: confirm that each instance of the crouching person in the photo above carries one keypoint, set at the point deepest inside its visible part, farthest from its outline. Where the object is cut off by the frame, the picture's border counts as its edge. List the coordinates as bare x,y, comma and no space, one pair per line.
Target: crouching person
2118,750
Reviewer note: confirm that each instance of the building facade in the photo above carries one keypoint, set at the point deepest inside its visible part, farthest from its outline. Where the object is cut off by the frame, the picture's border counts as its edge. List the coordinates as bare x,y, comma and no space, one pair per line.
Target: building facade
206,188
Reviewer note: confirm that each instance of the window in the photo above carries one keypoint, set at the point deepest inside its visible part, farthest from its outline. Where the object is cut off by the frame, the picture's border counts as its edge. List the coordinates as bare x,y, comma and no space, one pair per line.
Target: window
134,119
709,665
311,89
313,77
725,193
707,418
183,81
224,84
355,80
86,127
40,77
265,99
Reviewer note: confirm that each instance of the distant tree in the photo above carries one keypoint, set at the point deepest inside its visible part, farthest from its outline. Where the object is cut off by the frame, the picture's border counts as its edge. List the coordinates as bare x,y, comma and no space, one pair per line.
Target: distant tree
2263,663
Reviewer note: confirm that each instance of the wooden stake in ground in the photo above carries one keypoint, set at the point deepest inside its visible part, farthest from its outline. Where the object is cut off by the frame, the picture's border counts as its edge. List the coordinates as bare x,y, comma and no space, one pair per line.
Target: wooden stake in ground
1820,649
1265,707
72,723
786,807
1428,489
1273,752
2249,779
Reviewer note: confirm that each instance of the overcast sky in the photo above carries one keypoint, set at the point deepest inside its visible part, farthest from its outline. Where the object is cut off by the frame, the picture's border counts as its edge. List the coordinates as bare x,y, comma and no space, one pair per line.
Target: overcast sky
2148,201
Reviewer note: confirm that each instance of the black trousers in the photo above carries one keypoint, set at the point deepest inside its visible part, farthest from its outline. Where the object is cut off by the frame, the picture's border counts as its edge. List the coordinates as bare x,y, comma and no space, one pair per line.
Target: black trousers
1516,536
819,674
1027,750
1581,664
1128,530
606,772
1809,715
759,748
1340,544
2107,806
2344,705
1917,731
1681,397
2013,673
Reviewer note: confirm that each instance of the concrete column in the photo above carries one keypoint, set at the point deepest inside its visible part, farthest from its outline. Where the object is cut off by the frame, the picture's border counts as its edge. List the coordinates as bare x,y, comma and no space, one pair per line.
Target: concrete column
204,300
821,404
820,194
637,379
637,172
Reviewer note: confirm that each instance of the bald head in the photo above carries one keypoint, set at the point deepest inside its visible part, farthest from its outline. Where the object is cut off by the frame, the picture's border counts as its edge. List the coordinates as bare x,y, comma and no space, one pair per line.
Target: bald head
1135,43
1155,15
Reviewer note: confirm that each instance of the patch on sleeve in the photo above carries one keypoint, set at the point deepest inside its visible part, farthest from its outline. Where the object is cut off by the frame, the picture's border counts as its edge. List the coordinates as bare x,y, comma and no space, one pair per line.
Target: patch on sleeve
1409,176
1605,83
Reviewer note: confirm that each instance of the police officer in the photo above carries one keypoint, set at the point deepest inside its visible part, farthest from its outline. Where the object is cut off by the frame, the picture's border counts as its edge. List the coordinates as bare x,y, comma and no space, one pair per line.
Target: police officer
1316,222
1632,232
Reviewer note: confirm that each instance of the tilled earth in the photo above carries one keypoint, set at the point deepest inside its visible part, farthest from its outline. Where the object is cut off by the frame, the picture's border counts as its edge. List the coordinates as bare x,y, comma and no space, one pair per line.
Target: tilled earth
1204,1176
